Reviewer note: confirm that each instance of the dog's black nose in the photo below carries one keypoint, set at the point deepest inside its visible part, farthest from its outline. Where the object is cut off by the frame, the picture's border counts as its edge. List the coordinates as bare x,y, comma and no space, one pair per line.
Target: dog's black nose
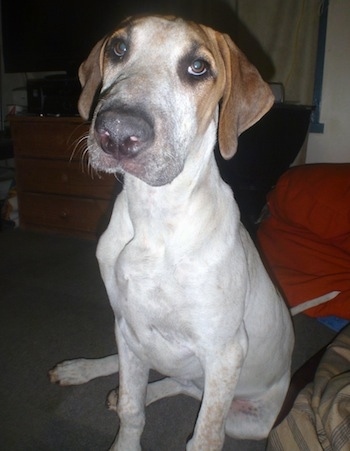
123,132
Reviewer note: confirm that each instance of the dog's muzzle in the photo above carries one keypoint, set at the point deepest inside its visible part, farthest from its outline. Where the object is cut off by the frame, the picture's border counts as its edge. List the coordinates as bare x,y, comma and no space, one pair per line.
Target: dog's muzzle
123,133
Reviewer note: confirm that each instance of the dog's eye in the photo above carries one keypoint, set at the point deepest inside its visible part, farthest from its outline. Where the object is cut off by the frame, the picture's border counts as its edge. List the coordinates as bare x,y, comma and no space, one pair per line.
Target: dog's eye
119,48
198,67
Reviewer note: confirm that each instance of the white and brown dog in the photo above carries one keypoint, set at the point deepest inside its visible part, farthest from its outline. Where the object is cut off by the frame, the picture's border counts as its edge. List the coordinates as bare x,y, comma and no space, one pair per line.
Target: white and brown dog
190,295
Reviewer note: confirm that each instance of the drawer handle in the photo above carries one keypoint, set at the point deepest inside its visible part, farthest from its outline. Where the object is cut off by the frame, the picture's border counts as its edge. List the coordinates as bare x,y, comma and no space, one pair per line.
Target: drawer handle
64,214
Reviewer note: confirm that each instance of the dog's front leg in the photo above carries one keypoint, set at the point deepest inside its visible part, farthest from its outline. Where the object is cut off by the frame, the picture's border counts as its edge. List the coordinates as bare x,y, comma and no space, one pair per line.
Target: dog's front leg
133,379
222,370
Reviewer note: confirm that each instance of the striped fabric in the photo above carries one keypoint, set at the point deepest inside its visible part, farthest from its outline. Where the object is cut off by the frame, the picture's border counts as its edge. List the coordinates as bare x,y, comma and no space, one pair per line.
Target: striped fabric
320,417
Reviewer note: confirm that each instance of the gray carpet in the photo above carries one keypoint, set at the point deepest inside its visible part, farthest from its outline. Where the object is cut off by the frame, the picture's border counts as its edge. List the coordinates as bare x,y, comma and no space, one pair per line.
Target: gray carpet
54,307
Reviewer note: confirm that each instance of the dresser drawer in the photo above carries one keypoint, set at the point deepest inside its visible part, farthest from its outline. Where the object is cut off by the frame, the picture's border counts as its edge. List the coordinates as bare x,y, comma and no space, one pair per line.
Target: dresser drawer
49,137
87,217
56,192
64,177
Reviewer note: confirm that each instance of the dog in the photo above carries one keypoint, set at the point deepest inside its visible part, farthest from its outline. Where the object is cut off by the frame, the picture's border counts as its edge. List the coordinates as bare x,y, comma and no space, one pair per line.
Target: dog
190,295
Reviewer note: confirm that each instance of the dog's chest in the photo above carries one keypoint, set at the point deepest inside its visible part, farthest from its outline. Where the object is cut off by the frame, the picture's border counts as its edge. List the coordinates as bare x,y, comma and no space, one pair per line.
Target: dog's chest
156,308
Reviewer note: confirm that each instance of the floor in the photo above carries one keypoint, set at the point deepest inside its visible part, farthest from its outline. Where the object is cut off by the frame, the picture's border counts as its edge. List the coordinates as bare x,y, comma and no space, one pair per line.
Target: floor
54,307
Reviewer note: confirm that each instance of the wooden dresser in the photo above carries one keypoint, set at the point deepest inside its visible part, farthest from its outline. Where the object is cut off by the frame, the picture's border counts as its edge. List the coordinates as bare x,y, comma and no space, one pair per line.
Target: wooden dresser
56,191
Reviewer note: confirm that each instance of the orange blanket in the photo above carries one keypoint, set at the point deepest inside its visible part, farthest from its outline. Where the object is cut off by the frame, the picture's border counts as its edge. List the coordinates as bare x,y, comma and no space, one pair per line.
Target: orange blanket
306,240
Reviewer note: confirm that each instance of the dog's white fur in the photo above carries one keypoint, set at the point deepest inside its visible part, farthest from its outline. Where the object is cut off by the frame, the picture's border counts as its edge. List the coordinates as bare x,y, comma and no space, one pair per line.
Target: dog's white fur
190,295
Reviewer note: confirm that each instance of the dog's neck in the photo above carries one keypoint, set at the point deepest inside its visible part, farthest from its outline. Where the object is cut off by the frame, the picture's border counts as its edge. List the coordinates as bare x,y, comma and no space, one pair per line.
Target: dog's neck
187,199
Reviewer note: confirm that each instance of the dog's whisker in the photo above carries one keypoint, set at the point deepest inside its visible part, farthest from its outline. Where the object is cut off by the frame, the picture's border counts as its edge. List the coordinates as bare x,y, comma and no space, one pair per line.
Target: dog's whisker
91,171
79,145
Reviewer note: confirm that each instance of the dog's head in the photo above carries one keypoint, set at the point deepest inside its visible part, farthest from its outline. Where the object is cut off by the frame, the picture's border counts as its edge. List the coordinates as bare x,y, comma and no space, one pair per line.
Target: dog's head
162,88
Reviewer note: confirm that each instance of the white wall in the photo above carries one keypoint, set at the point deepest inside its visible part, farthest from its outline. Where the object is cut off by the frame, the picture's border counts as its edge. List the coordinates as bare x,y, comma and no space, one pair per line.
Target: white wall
334,144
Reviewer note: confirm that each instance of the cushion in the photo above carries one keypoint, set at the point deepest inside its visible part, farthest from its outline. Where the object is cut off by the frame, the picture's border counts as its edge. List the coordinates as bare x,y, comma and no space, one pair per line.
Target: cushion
305,241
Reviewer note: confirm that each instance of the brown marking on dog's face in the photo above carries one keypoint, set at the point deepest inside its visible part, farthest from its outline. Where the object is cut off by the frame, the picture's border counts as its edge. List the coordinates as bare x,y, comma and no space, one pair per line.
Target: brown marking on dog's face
162,81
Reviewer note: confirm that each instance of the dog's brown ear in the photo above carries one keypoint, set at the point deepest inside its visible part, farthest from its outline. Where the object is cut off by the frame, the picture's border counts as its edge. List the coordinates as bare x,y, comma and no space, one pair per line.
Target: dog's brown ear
246,96
90,76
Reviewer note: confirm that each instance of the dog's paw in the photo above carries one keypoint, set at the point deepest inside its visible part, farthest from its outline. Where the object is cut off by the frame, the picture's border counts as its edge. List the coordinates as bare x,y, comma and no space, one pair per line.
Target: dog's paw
112,400
70,372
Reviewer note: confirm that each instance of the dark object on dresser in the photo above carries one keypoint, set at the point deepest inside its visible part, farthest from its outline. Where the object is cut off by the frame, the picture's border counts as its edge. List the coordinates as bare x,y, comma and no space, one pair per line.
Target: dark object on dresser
265,152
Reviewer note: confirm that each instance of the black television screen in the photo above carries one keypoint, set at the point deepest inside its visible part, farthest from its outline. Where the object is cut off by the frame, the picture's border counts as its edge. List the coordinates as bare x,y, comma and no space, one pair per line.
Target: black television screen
57,35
